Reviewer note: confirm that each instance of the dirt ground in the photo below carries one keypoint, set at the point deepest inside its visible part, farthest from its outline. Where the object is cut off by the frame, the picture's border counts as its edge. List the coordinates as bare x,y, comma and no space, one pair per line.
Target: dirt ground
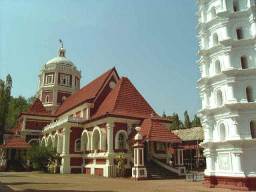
40,182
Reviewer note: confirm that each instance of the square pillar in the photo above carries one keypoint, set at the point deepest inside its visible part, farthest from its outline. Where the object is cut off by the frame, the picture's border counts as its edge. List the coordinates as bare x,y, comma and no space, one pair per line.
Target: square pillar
65,161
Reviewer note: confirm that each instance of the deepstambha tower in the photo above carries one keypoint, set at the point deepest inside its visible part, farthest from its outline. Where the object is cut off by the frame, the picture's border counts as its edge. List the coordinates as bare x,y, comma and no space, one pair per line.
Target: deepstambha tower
227,61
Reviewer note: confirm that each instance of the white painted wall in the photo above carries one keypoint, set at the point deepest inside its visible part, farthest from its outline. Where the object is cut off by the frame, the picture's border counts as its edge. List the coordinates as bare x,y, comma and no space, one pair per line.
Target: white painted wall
229,147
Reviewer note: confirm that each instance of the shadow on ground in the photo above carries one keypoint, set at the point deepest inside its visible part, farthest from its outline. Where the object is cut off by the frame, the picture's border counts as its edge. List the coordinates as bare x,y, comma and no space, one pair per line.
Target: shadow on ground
12,175
28,183
33,190
4,188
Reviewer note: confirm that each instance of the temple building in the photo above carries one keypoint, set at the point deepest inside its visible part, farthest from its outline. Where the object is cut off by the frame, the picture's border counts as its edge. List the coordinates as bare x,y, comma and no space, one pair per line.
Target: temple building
89,126
227,32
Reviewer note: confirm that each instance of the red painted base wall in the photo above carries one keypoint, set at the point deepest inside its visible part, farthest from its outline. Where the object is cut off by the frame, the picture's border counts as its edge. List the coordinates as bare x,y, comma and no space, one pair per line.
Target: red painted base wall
236,183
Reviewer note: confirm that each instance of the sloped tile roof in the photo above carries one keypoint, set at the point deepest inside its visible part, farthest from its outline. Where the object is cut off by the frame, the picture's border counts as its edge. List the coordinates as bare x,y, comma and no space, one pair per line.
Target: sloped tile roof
87,93
15,142
125,100
191,134
37,108
155,130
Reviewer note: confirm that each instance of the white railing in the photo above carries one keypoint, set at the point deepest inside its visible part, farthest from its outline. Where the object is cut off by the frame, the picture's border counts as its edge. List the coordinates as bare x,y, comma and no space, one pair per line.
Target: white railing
56,124
60,122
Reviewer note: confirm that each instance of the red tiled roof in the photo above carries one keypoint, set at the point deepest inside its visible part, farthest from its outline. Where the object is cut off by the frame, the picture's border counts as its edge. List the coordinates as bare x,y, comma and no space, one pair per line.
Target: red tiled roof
87,93
125,100
36,108
156,130
15,142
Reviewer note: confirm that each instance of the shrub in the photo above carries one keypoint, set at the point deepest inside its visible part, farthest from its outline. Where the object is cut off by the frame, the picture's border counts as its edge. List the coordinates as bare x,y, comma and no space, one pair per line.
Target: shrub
39,156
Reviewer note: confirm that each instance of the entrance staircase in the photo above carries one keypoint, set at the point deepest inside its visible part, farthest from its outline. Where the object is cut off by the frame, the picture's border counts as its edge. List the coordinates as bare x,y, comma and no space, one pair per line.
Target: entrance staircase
155,171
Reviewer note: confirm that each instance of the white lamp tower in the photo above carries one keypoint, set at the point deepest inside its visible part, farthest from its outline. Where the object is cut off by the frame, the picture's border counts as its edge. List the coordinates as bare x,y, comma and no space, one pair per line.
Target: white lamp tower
227,61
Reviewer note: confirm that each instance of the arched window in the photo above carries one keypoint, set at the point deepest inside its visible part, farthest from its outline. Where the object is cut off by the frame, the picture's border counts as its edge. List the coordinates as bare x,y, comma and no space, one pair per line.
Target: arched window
215,39
253,129
121,141
244,62
47,98
96,140
77,145
239,33
236,6
217,67
219,98
222,131
213,12
63,98
249,94
85,141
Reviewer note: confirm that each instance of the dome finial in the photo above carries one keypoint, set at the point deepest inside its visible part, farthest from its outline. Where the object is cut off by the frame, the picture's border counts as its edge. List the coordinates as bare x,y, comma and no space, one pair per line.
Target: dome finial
61,42
61,50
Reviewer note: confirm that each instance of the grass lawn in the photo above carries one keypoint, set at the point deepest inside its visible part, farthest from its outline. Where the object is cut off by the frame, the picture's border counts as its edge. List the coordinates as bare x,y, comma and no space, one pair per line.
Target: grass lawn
40,182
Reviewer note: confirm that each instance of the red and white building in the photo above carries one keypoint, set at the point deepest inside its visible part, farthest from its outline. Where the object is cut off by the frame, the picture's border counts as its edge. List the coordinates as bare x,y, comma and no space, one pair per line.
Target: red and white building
88,127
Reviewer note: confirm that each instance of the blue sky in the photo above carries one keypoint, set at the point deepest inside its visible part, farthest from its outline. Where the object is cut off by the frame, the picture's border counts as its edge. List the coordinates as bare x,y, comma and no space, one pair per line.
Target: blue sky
153,42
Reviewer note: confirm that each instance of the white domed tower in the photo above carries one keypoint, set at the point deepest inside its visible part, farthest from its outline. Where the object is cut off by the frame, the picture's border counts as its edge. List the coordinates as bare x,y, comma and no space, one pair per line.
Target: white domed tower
58,79
227,43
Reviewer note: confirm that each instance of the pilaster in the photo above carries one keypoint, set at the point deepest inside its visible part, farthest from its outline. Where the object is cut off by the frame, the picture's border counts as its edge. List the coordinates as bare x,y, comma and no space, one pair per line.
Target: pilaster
110,127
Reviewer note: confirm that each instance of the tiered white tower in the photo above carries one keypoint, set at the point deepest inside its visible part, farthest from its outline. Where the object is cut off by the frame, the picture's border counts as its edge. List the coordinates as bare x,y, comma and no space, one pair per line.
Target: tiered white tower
58,79
227,43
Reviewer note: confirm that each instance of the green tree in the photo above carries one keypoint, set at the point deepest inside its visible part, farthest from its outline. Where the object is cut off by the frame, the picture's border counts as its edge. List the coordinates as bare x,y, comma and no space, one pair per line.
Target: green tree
16,106
187,122
5,96
176,123
196,122
30,100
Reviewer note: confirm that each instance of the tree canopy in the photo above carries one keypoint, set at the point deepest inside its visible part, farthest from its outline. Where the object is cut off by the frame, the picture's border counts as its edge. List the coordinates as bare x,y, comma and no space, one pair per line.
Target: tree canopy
187,123
10,107
5,96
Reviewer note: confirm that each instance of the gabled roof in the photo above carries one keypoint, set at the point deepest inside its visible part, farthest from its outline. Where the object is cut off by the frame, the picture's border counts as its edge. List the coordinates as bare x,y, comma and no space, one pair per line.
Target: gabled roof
87,93
15,142
125,100
37,108
154,129
191,134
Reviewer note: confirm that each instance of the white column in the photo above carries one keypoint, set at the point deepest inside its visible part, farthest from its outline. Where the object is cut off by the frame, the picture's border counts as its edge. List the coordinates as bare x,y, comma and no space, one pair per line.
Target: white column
227,61
181,154
210,161
252,21
110,127
24,123
230,91
237,162
65,162
224,5
178,154
235,128
60,143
